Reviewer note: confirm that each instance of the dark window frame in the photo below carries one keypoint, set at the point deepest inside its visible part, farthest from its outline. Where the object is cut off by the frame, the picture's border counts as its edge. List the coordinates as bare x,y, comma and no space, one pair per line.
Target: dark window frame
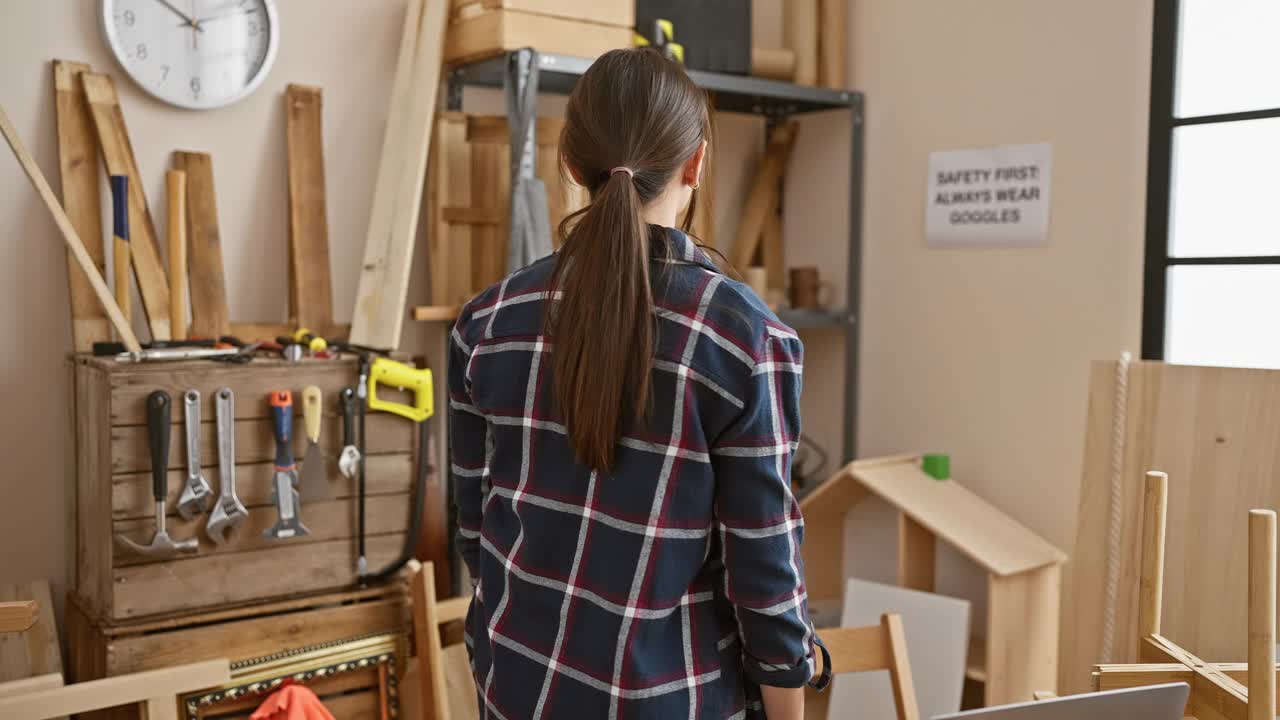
1162,124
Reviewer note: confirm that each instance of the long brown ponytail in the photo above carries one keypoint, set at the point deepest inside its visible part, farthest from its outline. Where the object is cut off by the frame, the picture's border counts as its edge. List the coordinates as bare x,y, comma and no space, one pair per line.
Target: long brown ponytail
632,109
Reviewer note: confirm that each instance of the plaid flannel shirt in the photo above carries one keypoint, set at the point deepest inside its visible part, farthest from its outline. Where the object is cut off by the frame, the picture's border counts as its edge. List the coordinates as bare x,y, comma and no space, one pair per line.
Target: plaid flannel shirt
673,586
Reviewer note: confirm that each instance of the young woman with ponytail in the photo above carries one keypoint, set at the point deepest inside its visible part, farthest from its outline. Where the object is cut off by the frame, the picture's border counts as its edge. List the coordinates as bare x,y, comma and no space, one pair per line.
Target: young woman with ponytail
622,420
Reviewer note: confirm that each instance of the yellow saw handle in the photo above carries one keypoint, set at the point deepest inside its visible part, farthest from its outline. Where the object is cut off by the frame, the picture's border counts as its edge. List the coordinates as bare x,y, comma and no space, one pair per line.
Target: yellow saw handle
405,377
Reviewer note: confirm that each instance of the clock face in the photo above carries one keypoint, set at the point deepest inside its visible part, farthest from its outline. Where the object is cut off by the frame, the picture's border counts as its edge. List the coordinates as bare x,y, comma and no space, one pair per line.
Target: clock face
193,53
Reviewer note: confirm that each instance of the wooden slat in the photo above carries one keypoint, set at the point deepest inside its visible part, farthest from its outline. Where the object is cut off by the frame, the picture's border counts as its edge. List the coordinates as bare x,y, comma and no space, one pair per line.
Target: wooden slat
34,650
900,679
208,289
436,313
460,687
78,165
1151,583
1262,614
916,549
490,192
252,383
12,688
308,221
158,686
17,616
117,153
959,518
130,448
472,216
1213,431
176,193
764,188
93,494
771,248
801,26
450,187
131,493
832,44
490,33
327,520
494,130
857,649
426,634
209,581
824,511
384,279
1022,634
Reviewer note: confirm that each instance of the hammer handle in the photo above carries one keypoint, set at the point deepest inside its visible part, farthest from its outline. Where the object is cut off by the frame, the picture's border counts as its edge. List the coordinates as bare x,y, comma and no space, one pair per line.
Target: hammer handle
159,415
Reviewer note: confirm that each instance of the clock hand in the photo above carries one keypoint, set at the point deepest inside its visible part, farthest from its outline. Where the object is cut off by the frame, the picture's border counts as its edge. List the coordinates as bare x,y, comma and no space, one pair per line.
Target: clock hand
187,20
223,16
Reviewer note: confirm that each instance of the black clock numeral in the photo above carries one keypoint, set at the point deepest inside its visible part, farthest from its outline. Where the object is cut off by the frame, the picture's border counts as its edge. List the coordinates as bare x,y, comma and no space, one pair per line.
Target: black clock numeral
195,87
164,73
253,28
130,18
142,51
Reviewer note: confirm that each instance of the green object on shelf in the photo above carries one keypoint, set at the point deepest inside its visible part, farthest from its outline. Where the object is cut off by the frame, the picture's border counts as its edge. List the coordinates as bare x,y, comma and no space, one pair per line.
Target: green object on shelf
937,466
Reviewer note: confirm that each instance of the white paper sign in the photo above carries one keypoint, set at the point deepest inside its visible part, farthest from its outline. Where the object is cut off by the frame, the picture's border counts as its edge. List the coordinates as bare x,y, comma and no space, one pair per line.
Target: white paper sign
989,196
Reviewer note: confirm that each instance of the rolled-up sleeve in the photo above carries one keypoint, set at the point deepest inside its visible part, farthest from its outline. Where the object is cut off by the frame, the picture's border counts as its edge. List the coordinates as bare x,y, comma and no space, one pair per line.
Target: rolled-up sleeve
467,441
759,520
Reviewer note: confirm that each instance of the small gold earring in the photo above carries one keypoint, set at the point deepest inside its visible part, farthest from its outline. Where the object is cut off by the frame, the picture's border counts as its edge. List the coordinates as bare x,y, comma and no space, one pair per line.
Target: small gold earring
696,185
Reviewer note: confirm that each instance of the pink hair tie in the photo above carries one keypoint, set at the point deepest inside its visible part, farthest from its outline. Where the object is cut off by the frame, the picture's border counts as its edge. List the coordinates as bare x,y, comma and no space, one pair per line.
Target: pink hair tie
630,173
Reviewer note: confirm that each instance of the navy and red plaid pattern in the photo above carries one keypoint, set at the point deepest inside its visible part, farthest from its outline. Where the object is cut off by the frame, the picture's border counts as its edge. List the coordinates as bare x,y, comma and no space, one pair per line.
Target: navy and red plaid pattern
673,586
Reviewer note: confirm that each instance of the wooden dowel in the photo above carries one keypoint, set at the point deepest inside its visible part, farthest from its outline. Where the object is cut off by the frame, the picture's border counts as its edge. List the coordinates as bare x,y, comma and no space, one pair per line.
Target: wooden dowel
69,234
1155,504
1262,614
175,182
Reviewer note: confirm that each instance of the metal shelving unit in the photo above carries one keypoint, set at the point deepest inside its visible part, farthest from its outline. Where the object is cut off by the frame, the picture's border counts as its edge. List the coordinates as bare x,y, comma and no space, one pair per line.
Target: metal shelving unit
774,100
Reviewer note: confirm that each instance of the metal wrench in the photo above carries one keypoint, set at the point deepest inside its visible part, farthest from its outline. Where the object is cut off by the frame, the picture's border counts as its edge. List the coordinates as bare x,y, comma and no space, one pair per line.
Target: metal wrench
228,512
196,493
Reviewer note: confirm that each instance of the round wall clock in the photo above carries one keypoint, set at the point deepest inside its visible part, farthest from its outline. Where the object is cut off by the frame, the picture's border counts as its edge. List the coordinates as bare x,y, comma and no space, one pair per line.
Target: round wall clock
195,54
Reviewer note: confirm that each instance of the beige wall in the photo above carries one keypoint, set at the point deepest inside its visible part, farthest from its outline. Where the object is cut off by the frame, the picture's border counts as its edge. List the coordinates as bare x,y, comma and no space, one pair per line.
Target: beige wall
983,353
979,353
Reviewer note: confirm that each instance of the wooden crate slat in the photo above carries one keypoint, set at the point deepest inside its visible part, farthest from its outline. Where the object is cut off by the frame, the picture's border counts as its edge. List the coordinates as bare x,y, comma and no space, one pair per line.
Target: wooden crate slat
131,492
327,520
606,12
131,452
251,383
345,695
93,494
238,577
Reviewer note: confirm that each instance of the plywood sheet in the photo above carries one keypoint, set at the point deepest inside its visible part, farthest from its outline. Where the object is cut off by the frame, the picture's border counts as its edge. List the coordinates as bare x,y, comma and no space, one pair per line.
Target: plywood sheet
937,629
1213,430
958,517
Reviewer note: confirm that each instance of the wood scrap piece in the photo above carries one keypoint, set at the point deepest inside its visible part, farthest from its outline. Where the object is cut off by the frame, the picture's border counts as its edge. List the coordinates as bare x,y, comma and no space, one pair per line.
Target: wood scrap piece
832,40
34,651
384,279
17,616
69,234
176,192
450,188
117,153
310,285
78,165
801,26
490,190
771,248
773,63
763,191
209,316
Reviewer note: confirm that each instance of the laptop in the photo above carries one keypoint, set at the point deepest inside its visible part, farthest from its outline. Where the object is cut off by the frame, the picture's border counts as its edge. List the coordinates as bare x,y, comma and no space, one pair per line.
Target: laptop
1155,702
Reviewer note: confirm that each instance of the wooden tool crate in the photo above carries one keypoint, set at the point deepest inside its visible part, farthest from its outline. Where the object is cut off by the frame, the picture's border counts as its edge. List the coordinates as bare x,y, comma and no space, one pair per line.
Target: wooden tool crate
105,649
114,496
585,28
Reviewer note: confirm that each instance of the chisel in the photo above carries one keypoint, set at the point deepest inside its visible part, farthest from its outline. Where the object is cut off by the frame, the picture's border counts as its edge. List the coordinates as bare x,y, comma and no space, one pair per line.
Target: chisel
314,484
120,231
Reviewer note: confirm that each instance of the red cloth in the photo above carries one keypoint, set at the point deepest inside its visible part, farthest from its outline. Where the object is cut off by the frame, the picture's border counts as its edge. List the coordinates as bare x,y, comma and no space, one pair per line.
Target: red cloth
292,702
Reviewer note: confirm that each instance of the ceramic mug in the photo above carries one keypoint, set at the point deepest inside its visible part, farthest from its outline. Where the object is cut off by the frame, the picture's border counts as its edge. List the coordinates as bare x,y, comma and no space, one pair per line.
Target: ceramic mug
808,291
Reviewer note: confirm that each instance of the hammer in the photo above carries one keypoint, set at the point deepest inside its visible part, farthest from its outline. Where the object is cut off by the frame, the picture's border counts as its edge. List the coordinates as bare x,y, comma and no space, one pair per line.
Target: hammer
159,415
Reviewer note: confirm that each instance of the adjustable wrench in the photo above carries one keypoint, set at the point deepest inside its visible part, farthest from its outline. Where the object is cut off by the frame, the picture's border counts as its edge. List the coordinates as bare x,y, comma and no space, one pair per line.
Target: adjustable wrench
196,494
228,512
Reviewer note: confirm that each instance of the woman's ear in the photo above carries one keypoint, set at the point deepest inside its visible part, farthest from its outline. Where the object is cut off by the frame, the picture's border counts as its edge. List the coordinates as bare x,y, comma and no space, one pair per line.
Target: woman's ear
693,167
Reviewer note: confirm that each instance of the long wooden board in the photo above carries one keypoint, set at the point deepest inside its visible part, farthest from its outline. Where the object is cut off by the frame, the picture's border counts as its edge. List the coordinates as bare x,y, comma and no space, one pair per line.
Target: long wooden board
450,188
833,43
397,197
209,315
801,25
78,163
490,33
764,189
131,451
276,572
1213,431
605,12
131,492
310,284
117,153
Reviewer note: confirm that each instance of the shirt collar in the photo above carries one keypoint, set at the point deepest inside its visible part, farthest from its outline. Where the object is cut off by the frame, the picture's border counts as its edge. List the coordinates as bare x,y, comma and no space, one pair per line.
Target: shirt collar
685,249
